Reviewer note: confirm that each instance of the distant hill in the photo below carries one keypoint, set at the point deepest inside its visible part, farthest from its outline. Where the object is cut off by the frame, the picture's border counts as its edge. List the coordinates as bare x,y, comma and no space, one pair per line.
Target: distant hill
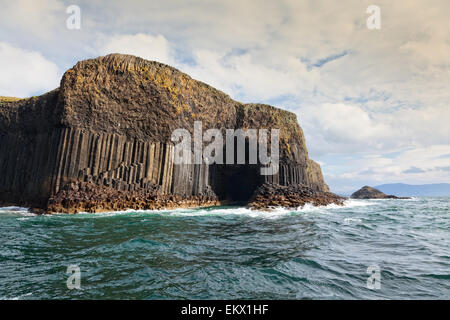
404,190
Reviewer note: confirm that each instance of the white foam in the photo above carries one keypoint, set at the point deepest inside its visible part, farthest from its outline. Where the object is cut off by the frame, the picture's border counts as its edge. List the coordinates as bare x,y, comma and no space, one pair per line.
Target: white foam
17,298
272,213
103,214
232,211
349,203
194,212
16,211
352,203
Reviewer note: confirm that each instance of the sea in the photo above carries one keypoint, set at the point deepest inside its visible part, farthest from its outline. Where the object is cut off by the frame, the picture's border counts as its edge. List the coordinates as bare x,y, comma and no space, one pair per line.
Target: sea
366,249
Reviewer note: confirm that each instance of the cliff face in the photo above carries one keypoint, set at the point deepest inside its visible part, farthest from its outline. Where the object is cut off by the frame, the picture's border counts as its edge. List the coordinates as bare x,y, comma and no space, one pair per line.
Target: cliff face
106,131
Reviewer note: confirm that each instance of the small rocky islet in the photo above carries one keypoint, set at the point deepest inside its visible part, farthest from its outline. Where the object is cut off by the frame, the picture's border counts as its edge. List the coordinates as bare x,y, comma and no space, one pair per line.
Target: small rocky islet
367,192
101,142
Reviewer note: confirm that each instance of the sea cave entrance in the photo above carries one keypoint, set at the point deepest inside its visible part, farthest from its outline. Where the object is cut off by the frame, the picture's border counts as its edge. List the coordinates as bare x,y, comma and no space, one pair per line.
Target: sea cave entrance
236,183
241,183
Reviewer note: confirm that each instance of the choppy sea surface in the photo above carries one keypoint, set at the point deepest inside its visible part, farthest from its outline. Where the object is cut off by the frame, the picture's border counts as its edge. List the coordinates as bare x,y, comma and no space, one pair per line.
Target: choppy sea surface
232,253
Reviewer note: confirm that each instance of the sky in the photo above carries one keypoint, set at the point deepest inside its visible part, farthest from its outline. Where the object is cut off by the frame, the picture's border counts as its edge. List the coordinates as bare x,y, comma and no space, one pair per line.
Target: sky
374,104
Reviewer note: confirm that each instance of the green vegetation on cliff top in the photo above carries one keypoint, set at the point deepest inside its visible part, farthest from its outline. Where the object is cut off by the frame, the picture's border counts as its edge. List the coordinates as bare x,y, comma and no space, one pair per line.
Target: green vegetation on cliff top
9,99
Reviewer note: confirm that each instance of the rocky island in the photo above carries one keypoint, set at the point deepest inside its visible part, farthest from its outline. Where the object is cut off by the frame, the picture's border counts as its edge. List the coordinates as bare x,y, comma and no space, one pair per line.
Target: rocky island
367,192
101,142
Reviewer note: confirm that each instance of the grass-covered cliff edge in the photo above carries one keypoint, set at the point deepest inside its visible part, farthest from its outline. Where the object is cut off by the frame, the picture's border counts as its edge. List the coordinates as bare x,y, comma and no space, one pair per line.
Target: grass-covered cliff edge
101,141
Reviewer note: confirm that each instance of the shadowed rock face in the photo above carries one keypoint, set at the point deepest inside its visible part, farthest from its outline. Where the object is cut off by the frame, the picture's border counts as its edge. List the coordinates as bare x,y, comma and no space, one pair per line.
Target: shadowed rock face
101,141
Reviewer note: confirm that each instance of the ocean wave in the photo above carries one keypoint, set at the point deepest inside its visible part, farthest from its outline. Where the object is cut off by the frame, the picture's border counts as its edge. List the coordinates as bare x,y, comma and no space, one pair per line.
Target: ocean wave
272,213
316,252
21,297
16,211
352,203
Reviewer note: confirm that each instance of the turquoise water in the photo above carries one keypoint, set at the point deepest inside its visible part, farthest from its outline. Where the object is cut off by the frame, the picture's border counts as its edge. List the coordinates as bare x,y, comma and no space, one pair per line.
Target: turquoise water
231,252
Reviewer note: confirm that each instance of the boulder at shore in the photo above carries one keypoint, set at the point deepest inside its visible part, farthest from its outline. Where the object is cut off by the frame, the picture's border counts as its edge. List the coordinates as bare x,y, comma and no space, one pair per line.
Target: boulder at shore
102,142
367,192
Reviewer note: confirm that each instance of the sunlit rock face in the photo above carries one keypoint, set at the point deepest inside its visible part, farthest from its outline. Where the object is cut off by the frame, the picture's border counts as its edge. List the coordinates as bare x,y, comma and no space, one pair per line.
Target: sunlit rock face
102,141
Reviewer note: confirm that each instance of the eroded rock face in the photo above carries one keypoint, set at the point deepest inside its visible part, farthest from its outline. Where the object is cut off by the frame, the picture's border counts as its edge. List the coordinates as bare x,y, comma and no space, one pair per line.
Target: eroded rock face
101,141
89,197
367,192
291,196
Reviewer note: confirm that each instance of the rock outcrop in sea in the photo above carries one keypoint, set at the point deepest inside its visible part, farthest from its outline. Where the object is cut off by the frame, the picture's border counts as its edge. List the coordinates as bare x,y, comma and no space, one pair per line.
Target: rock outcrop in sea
101,142
367,192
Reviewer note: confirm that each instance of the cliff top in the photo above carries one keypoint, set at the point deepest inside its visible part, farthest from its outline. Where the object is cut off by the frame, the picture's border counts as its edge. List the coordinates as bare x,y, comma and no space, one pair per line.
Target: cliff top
9,99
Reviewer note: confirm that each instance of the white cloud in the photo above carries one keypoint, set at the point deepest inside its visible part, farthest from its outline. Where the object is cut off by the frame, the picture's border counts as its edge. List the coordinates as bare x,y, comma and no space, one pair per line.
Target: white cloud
244,77
342,128
24,73
40,18
143,45
416,165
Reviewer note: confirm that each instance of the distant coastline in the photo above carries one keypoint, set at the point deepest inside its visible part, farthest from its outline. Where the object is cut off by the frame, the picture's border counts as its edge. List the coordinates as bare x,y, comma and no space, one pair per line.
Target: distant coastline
425,190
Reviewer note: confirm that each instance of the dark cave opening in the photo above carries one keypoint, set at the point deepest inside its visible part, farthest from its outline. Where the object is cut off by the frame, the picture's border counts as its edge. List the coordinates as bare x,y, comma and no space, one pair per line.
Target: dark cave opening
236,183
241,183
